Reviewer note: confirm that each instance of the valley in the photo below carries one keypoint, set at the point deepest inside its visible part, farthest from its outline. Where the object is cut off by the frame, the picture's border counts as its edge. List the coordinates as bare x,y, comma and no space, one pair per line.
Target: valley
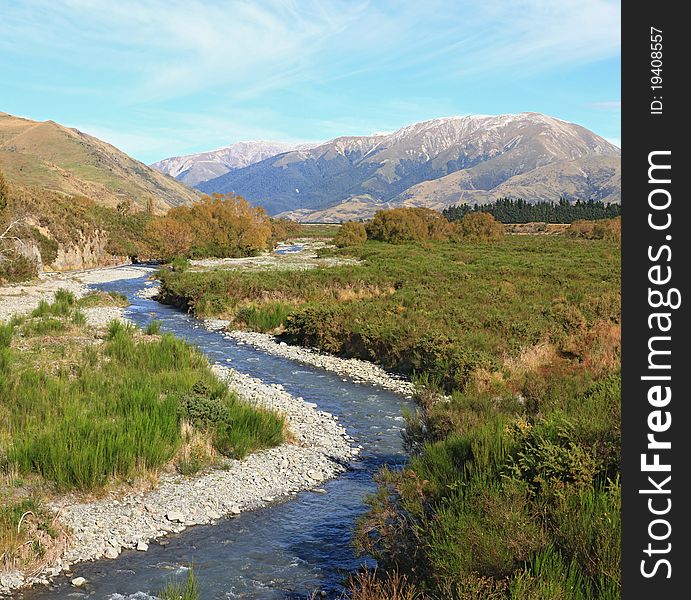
275,396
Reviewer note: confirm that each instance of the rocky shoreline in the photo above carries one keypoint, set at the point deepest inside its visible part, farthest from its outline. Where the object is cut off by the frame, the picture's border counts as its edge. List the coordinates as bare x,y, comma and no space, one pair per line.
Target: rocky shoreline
321,449
353,368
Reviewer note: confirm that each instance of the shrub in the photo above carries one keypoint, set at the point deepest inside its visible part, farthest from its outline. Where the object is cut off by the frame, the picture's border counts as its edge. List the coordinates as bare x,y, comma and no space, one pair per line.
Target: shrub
479,226
220,226
16,267
608,229
153,327
351,233
399,225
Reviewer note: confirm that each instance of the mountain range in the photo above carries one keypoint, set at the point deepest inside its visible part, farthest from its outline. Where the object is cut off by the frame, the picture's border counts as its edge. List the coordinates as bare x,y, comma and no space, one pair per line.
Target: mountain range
50,156
433,163
193,169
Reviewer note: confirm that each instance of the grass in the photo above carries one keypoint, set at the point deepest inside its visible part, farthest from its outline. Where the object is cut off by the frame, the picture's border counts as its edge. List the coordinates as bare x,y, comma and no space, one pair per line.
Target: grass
153,327
512,487
81,415
27,534
175,589
266,317
318,230
100,298
442,309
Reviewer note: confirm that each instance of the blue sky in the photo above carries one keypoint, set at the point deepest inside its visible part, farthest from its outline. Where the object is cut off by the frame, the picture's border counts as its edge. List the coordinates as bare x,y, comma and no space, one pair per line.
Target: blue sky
161,78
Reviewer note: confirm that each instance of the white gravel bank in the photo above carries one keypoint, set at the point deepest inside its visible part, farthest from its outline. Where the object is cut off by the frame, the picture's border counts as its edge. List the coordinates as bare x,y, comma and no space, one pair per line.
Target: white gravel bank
358,370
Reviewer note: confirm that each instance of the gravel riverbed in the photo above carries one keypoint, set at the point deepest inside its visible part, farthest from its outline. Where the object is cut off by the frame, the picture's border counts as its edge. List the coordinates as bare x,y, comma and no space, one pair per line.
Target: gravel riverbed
358,370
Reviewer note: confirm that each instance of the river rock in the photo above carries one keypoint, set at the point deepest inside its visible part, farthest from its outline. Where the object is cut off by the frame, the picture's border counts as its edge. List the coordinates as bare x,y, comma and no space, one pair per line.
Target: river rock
175,517
78,582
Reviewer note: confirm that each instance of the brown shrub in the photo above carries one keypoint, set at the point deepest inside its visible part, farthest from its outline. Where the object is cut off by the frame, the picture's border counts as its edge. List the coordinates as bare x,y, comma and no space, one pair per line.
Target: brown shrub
479,226
607,229
408,225
351,233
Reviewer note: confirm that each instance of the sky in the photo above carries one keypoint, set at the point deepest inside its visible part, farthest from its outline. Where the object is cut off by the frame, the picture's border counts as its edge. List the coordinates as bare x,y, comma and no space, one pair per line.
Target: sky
160,78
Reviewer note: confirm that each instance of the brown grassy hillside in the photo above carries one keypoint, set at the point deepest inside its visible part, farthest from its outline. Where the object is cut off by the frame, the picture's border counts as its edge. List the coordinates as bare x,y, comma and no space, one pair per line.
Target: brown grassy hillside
52,157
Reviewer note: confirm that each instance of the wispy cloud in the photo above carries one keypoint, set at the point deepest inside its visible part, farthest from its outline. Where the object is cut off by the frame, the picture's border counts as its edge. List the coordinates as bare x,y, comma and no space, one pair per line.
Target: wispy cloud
173,48
607,105
179,73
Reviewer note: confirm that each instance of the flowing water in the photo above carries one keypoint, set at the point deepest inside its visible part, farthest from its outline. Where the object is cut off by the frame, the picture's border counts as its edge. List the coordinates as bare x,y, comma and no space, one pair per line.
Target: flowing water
289,549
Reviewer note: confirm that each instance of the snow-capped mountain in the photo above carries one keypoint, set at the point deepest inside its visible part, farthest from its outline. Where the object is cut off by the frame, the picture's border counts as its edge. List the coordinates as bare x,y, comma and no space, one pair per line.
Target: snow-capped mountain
438,162
196,168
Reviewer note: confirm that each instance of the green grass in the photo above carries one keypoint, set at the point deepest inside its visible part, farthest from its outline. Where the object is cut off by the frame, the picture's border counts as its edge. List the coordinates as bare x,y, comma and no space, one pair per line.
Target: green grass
175,589
153,327
318,230
442,309
265,317
512,488
81,417
100,298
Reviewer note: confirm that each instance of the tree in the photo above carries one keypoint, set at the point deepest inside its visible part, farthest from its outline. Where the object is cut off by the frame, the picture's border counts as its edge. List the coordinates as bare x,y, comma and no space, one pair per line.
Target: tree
351,233
218,225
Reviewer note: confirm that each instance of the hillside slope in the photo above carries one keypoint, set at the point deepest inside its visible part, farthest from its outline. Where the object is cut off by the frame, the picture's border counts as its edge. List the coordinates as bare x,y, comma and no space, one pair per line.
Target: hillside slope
50,156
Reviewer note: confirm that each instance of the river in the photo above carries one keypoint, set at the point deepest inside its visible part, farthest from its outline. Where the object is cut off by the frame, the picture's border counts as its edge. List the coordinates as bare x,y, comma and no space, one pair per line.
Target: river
290,549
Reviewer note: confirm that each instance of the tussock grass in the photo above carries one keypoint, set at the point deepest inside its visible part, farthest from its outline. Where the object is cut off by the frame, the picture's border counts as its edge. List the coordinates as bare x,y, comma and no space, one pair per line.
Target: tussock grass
177,589
265,317
100,298
153,327
84,418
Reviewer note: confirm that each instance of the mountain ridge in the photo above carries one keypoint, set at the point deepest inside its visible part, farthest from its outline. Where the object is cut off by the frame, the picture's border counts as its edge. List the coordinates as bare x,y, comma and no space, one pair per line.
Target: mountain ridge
198,167
401,167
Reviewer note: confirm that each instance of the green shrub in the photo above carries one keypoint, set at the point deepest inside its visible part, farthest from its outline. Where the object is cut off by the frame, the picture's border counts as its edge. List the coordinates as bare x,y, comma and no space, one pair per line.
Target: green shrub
153,327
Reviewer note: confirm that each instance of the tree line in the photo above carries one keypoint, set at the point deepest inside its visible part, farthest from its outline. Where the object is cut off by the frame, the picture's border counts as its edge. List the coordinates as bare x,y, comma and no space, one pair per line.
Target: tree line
509,210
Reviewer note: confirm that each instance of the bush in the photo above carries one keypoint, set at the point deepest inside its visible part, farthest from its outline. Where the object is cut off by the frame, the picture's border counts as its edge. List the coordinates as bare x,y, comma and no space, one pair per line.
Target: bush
219,226
351,233
397,225
607,229
479,226
16,267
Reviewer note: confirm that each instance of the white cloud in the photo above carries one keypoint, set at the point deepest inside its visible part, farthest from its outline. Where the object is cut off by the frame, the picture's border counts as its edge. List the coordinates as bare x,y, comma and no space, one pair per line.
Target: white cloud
168,48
